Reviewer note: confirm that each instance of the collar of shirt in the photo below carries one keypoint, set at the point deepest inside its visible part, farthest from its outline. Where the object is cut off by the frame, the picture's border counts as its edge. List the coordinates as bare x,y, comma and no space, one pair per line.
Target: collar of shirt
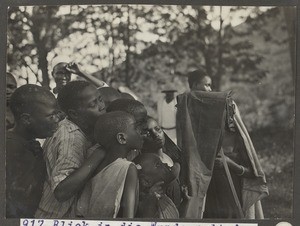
72,127
31,145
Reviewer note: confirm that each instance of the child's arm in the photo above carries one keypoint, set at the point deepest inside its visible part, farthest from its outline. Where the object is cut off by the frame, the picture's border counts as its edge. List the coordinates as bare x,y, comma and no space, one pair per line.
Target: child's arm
130,194
73,68
184,204
238,169
76,180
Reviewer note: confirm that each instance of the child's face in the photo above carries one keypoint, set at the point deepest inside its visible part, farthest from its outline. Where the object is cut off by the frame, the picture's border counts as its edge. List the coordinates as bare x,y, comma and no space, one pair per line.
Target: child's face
155,138
44,118
134,139
91,105
169,96
204,85
61,75
155,170
11,86
140,116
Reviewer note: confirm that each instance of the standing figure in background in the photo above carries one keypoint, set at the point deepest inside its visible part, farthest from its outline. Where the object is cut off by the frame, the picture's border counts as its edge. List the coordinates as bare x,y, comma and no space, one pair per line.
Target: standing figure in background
62,75
199,80
11,86
166,109
223,171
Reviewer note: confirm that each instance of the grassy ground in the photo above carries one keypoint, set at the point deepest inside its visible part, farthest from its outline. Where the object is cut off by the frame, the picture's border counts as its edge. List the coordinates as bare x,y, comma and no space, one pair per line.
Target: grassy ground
275,149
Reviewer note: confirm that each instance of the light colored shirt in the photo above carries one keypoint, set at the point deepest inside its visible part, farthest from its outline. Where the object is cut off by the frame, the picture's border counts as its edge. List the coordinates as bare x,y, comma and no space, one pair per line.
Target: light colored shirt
167,114
64,152
102,197
167,117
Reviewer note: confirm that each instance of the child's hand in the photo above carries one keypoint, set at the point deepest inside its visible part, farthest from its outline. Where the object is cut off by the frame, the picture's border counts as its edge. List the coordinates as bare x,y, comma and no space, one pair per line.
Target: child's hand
185,192
157,189
73,68
219,162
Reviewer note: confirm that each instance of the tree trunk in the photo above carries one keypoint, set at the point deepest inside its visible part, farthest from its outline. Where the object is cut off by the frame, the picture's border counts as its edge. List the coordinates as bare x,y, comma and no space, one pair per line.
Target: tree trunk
290,18
127,43
43,66
207,59
37,27
218,76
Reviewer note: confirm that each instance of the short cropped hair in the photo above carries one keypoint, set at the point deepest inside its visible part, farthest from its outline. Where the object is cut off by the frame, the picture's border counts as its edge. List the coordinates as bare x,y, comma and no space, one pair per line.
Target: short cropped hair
109,125
128,105
61,65
69,96
127,96
10,75
196,76
109,94
26,97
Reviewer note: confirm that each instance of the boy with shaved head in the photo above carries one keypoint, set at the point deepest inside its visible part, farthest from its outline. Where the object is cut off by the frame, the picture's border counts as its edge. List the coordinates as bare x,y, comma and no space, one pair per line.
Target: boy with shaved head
115,187
133,107
139,112
69,166
200,80
34,109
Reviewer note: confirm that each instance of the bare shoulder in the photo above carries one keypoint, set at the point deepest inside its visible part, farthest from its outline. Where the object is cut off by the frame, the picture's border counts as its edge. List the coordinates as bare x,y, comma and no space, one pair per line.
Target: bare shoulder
132,171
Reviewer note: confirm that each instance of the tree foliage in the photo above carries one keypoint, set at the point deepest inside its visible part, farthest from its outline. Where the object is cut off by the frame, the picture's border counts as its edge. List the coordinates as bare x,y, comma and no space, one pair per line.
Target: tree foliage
153,46
32,33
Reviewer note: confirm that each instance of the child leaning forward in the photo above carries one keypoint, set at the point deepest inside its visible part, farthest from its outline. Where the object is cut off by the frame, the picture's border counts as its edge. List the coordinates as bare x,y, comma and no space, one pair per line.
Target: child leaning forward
113,191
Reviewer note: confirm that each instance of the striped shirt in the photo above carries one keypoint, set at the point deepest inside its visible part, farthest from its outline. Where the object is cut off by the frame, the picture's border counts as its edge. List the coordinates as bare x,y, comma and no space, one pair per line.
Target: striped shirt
64,152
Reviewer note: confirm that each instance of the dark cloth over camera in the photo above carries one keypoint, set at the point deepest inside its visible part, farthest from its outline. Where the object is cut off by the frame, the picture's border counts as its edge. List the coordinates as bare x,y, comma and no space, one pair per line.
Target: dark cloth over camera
202,118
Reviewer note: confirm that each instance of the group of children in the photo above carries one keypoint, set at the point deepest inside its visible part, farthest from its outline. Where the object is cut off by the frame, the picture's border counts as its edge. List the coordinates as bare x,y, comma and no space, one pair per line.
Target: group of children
103,156
91,164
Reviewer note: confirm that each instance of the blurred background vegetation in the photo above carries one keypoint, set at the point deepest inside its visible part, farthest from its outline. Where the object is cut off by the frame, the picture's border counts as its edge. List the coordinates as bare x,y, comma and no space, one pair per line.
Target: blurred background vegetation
250,50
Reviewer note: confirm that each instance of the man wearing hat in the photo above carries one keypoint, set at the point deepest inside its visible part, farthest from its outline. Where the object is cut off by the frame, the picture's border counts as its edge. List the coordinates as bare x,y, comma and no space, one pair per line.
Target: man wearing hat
166,109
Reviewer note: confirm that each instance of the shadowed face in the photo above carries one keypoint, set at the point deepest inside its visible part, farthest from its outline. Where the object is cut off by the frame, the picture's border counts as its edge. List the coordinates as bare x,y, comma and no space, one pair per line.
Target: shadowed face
11,86
134,139
204,85
61,75
44,118
154,170
169,96
91,105
155,138
140,116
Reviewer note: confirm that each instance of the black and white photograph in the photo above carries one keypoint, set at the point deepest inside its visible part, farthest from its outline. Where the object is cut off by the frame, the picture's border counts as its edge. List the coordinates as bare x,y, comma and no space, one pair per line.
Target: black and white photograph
144,111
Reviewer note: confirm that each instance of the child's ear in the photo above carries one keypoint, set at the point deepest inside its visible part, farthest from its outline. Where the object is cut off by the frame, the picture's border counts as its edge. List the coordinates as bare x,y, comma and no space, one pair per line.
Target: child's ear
121,138
26,119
